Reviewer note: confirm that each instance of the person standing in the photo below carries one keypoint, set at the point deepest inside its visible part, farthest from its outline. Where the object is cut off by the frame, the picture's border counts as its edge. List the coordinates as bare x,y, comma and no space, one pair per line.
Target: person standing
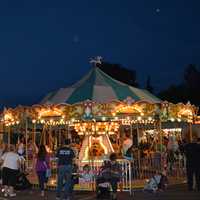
191,153
198,165
127,143
65,156
11,165
42,165
115,174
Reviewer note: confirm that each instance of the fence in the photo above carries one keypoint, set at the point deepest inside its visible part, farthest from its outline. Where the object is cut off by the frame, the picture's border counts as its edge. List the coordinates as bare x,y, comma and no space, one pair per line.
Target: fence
87,178
145,168
132,171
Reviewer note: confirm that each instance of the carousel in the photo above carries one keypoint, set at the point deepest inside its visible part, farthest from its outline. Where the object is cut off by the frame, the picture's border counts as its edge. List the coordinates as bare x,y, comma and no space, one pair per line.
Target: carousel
100,115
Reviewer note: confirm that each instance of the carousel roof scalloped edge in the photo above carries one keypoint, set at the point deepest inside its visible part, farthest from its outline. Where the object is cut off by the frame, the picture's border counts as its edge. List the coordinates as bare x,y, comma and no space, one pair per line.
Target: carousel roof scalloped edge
90,110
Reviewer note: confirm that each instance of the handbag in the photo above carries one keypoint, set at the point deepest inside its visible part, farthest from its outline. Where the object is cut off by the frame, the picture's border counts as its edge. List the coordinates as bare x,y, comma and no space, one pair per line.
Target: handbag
48,170
48,173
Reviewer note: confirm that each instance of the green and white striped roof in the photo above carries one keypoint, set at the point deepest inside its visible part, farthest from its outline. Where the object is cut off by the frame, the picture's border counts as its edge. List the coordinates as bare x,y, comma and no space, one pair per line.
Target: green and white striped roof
99,87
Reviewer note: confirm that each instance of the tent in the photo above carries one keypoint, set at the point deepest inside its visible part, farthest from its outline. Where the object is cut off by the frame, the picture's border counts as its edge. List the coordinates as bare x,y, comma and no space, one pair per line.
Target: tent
98,87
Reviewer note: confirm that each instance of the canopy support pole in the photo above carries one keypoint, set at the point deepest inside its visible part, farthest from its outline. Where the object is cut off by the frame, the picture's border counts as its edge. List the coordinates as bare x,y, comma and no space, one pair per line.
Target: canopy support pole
9,130
26,141
45,132
160,135
34,133
131,126
139,164
59,137
190,132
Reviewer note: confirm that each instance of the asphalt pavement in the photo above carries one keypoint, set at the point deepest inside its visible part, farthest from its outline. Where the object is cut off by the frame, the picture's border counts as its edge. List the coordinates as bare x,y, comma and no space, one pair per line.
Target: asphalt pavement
176,192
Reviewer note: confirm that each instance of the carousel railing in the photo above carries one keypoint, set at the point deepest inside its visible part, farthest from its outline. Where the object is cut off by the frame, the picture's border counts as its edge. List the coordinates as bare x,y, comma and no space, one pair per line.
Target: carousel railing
134,172
145,168
87,180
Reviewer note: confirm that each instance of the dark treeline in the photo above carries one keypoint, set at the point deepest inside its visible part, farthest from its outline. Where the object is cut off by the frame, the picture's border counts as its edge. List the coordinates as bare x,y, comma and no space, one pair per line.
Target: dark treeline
120,73
187,90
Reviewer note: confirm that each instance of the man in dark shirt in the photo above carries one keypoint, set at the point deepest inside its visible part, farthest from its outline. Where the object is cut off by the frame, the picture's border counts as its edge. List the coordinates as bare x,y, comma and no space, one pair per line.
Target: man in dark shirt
191,153
198,165
65,156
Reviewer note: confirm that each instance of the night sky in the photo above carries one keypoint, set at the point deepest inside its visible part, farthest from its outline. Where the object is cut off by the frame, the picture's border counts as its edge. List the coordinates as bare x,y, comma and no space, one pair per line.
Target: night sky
45,45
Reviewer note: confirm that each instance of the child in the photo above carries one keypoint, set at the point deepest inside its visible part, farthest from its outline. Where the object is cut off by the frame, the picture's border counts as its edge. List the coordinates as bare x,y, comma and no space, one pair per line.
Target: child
157,183
152,184
86,177
103,181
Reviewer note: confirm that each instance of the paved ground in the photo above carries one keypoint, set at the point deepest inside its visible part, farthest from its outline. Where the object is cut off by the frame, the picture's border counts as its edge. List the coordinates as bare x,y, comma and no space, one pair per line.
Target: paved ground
178,192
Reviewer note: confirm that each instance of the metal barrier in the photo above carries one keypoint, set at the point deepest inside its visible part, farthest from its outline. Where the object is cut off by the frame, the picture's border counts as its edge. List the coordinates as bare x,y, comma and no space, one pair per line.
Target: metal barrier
145,168
87,180
132,171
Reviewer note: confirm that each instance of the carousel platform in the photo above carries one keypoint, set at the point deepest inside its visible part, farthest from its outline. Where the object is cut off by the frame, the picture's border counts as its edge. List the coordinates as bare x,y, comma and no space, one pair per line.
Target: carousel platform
136,184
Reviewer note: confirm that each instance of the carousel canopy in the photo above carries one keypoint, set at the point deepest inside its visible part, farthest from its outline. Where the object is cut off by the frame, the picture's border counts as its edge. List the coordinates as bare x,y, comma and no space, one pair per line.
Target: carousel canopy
99,87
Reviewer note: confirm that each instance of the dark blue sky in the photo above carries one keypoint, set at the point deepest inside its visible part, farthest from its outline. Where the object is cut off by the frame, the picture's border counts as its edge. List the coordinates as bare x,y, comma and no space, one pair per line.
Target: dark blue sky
45,45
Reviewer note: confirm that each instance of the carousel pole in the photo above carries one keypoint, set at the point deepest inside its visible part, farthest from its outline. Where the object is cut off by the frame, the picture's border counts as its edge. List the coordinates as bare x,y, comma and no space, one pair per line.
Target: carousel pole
44,136
89,151
131,128
9,133
34,133
3,132
49,138
161,135
190,132
131,163
157,137
92,157
59,137
139,163
161,143
68,130
26,140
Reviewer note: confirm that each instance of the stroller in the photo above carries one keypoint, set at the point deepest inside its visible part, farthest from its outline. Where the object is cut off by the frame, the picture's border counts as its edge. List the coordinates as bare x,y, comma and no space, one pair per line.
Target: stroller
22,182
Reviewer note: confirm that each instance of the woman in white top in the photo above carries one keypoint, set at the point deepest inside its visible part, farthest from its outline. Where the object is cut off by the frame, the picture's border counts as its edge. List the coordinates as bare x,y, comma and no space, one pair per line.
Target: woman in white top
11,163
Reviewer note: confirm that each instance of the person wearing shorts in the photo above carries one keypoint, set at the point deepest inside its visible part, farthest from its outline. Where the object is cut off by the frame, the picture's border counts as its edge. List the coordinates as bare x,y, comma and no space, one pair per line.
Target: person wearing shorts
11,163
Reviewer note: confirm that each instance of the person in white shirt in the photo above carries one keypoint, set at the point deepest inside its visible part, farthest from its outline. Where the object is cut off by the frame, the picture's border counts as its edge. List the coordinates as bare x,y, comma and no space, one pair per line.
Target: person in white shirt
127,143
11,164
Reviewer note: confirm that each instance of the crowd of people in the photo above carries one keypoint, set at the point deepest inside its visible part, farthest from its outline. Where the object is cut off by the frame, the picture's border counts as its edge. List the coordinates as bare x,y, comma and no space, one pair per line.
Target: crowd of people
109,175
12,164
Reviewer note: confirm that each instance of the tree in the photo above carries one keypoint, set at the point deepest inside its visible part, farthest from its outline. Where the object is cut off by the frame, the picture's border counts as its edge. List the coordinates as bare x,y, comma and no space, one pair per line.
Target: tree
120,73
186,91
149,87
192,77
174,94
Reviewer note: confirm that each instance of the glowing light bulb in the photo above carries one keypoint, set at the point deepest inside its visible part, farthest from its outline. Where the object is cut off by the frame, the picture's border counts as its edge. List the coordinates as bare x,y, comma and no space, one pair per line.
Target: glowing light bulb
172,119
139,118
103,118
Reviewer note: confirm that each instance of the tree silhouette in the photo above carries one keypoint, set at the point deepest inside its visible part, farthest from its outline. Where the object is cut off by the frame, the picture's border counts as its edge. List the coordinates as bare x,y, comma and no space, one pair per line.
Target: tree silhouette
149,87
186,91
119,73
192,77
